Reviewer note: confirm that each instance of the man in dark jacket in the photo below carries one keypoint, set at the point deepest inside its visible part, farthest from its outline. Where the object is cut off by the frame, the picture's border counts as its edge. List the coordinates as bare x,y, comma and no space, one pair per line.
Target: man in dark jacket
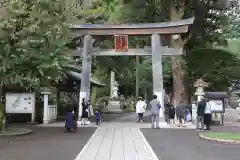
180,113
200,114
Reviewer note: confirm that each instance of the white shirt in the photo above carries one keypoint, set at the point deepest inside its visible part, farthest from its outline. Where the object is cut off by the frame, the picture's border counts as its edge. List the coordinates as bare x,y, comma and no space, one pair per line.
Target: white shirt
140,106
208,108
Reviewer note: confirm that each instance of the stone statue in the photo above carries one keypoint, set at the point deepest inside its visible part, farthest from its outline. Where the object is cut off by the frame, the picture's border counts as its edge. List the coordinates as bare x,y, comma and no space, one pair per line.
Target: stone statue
115,90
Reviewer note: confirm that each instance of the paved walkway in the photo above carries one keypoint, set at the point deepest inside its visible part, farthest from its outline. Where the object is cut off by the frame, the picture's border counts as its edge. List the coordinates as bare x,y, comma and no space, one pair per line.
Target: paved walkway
184,145
120,139
117,143
123,124
44,144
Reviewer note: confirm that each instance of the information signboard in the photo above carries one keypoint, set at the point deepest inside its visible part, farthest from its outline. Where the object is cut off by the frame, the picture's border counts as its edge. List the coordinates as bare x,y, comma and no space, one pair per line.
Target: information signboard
20,102
216,105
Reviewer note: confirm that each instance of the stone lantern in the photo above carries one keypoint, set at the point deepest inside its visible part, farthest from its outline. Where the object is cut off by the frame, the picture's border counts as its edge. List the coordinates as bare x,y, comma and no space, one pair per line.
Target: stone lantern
200,85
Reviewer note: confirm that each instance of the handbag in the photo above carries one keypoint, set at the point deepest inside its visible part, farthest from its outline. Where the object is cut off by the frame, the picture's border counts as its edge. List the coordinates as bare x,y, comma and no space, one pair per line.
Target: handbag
188,117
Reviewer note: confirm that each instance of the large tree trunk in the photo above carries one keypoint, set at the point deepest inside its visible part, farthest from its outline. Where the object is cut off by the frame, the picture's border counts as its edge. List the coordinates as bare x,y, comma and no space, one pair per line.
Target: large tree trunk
179,90
178,62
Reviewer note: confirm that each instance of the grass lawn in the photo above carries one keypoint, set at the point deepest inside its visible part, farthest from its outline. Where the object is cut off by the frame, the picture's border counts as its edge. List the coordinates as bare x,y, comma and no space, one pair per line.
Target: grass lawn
225,136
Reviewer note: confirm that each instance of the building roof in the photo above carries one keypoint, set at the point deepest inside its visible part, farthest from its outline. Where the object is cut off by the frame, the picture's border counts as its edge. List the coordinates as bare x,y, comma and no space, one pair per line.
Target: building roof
216,95
136,25
171,27
78,76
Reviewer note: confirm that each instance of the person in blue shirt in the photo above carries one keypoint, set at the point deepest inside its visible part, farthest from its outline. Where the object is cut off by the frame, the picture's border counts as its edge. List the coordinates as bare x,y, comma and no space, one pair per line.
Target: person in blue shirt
98,118
70,122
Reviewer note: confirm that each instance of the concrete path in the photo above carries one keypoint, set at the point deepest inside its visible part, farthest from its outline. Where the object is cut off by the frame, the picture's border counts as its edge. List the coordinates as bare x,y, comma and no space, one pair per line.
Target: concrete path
117,143
120,139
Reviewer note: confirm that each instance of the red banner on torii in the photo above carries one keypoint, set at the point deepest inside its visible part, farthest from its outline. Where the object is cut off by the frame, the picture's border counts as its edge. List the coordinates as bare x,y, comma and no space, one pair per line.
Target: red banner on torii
121,43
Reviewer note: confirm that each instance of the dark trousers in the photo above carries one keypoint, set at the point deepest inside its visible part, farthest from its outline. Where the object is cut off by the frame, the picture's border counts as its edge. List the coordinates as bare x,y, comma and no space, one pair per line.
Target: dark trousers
98,122
207,120
140,117
166,117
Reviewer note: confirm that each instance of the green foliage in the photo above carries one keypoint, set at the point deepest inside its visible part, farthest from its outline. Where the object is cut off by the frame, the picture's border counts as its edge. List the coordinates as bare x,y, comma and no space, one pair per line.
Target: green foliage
216,66
33,38
233,30
33,42
100,74
145,74
233,47
210,30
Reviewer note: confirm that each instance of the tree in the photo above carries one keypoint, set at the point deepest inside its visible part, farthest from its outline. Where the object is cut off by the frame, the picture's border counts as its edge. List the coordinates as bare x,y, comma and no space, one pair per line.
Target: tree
33,41
220,68
208,30
209,24
233,30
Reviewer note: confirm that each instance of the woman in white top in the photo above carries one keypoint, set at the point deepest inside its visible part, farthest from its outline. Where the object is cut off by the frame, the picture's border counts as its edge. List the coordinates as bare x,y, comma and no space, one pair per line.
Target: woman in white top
207,115
140,109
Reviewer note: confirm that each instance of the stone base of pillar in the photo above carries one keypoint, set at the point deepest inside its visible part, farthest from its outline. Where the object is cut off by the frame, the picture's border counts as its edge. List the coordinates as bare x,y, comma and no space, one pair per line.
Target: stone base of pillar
114,107
48,121
79,123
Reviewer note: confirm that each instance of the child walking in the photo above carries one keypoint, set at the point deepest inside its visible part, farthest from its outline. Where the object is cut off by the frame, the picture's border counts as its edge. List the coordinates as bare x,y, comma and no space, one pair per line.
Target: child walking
98,118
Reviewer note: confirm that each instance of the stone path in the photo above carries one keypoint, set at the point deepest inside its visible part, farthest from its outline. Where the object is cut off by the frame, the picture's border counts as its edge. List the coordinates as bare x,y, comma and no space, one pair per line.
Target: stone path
117,143
120,139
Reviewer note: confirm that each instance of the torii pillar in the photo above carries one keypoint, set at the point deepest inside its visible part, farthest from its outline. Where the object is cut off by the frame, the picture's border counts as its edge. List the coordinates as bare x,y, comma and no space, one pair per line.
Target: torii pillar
86,73
157,70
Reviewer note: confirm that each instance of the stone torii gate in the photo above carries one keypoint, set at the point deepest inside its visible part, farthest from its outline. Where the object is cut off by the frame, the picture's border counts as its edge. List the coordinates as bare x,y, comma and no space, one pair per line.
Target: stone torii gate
156,50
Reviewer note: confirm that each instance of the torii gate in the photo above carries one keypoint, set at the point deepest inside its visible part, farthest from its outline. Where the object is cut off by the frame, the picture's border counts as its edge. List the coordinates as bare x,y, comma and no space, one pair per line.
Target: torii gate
156,50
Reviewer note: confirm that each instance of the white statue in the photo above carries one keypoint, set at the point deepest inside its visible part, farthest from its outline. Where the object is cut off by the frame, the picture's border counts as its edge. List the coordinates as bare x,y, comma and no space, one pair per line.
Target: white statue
115,90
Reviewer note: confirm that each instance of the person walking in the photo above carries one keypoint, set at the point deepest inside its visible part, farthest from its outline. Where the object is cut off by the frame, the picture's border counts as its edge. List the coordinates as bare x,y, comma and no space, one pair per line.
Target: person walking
200,114
166,112
70,122
90,110
154,111
207,115
180,112
171,114
98,118
84,112
140,109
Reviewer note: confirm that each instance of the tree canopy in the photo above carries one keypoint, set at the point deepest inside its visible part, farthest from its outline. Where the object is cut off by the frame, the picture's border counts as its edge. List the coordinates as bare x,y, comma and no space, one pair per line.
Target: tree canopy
209,30
33,38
